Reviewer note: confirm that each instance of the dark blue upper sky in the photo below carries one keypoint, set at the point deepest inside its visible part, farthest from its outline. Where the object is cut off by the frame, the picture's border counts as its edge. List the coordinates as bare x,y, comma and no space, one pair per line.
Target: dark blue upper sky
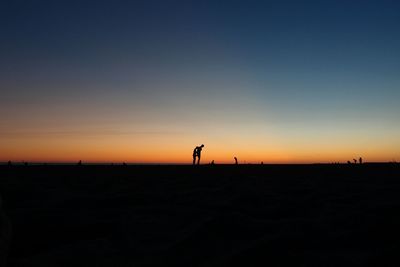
256,31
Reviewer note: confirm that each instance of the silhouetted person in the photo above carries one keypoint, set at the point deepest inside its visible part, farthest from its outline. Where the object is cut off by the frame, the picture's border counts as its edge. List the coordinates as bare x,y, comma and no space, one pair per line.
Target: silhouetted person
80,163
197,154
262,162
236,162
212,162
194,155
360,160
355,161
9,163
348,162
124,164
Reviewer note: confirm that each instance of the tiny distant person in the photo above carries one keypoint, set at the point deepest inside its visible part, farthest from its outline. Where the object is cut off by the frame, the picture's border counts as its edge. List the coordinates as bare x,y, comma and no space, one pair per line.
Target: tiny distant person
360,160
348,162
80,163
9,163
355,161
194,155
236,161
212,162
197,154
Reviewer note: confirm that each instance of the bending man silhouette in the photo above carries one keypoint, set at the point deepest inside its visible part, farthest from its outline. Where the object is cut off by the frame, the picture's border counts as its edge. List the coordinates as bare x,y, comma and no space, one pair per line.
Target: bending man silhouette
197,154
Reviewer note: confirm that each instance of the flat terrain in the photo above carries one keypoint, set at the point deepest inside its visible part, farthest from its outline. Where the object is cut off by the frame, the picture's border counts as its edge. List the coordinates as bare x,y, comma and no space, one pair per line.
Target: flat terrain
221,215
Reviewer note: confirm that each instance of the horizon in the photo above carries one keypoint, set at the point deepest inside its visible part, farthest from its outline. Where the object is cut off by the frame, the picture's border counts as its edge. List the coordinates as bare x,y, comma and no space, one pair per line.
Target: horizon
146,81
126,163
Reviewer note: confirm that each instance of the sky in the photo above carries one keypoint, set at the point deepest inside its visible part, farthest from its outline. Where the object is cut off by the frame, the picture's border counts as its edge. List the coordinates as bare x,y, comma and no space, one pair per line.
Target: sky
147,81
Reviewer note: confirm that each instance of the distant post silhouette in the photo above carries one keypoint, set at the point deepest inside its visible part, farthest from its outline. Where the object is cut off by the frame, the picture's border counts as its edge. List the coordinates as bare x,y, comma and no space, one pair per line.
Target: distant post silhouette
360,160
236,161
197,154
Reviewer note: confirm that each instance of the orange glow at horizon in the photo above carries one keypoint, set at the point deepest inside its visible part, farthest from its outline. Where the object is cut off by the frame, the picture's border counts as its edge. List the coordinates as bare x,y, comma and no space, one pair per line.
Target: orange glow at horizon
178,149
167,132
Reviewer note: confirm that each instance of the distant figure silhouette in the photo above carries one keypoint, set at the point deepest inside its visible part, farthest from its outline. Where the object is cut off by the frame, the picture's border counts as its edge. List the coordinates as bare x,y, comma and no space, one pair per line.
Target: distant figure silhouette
355,161
262,162
212,162
236,162
80,163
360,160
197,154
348,162
9,163
124,164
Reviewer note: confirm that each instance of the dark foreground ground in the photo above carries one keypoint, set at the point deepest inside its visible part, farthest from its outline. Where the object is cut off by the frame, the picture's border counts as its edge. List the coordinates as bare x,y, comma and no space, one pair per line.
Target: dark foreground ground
310,215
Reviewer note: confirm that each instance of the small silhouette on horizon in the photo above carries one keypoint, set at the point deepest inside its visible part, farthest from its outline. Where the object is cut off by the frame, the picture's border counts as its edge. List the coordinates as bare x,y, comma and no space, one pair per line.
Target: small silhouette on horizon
80,163
197,154
360,160
236,160
355,161
9,163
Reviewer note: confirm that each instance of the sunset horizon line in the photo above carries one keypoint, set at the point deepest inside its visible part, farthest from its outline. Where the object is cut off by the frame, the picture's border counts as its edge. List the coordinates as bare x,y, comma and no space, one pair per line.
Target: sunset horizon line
22,162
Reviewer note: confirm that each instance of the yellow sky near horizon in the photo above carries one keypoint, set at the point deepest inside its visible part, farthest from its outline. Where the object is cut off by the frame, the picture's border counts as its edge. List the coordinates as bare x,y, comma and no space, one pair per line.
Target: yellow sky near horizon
158,147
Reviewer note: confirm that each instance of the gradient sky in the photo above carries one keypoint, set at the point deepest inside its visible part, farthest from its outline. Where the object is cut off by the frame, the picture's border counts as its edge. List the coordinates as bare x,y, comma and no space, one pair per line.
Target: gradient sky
146,81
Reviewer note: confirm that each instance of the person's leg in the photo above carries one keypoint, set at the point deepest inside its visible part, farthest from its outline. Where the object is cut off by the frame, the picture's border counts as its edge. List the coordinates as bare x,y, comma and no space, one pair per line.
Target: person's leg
198,160
194,160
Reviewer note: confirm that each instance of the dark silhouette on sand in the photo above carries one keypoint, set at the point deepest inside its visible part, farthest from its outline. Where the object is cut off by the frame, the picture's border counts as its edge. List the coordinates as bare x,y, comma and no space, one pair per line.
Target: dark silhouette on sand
80,163
236,161
197,154
360,160
9,163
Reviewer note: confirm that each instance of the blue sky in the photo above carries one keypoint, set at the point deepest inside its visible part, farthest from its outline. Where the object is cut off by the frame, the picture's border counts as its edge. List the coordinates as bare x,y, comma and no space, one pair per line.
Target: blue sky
291,76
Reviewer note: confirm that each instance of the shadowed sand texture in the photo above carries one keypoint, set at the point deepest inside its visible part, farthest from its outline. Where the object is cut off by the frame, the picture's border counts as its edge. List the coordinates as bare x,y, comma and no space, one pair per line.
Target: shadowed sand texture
215,215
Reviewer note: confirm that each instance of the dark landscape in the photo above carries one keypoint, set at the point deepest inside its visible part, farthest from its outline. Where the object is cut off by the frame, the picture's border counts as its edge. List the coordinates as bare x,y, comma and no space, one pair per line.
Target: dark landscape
208,215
